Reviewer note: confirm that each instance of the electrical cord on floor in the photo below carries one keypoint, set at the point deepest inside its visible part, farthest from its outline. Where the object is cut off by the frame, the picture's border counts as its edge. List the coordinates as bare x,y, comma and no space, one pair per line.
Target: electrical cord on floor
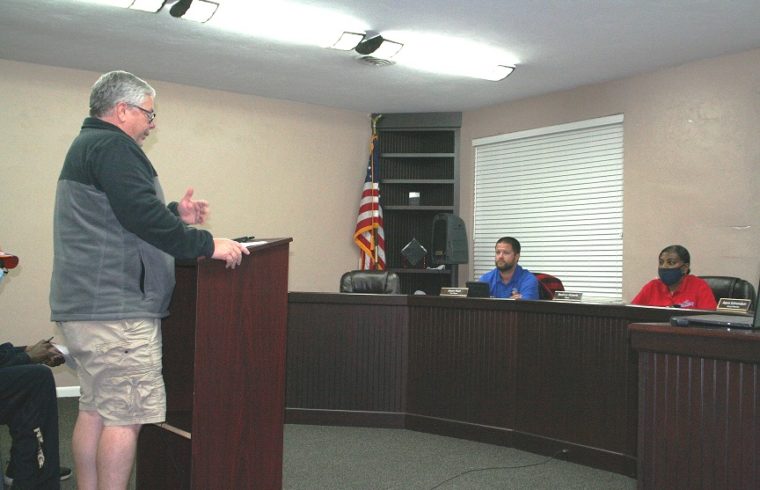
553,456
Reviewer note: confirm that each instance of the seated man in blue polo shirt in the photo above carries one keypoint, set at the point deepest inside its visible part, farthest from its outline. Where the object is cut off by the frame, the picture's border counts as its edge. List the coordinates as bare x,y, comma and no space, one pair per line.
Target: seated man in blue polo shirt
509,280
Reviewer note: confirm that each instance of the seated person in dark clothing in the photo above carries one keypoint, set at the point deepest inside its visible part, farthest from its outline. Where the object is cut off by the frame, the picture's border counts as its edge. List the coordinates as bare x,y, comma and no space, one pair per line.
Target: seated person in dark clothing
675,286
28,406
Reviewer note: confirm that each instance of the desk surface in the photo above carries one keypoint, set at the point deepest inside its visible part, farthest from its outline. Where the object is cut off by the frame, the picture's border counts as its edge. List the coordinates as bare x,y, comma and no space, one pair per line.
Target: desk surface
613,310
715,343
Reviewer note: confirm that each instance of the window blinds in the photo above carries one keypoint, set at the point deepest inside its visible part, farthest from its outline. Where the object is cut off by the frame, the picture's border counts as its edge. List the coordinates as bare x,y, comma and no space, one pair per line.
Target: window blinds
559,191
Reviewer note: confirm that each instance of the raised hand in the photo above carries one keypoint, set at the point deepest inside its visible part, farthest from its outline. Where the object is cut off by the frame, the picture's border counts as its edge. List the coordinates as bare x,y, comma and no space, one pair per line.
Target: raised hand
190,211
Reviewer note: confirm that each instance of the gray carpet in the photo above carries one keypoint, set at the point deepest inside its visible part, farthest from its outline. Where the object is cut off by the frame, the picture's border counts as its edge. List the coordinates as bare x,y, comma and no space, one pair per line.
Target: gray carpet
372,459
359,458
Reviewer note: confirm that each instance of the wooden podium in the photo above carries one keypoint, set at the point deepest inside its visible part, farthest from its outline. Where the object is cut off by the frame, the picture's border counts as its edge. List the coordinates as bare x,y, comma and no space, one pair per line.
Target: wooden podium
224,369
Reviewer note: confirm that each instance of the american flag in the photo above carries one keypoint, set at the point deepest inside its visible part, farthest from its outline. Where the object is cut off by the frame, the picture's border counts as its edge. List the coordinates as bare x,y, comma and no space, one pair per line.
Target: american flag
369,235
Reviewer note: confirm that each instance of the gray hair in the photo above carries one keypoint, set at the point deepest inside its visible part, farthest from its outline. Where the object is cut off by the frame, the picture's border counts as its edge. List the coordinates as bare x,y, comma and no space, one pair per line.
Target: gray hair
117,86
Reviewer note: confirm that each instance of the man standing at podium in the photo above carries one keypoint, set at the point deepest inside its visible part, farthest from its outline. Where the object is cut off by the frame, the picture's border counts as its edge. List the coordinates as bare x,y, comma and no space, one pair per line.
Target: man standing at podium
113,274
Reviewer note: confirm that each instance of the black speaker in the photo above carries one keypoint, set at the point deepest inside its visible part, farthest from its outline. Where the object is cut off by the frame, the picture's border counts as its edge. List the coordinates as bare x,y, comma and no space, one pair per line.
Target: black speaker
449,240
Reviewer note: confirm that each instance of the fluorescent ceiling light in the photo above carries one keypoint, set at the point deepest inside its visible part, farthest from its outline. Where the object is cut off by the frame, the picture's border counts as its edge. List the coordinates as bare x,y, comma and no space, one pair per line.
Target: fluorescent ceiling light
286,21
348,41
112,3
387,50
463,68
147,5
295,23
496,73
459,57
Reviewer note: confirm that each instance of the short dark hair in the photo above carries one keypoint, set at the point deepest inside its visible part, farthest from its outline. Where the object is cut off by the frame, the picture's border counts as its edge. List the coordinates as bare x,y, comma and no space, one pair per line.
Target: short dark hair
512,241
679,250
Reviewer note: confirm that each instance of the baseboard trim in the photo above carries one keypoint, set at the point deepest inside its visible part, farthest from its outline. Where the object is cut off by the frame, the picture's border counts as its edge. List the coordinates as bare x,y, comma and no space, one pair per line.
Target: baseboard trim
67,391
616,462
354,418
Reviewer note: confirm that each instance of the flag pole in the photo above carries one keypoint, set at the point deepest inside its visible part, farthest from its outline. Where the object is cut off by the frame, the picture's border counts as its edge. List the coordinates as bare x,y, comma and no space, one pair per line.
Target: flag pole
373,142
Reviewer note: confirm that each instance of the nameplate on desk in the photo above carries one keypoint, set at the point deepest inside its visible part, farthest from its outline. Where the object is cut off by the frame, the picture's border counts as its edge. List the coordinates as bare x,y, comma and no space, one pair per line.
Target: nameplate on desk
456,292
568,296
734,304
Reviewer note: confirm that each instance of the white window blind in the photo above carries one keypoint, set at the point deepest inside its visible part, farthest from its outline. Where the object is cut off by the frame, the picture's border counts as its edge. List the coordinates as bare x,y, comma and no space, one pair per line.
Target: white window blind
559,191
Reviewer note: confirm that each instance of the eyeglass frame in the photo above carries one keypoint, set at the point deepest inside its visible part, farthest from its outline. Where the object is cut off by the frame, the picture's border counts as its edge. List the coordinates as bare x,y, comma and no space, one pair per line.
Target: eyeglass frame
151,115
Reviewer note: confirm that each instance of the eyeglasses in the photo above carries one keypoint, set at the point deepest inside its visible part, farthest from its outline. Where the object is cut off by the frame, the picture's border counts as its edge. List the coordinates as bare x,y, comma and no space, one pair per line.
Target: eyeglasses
151,115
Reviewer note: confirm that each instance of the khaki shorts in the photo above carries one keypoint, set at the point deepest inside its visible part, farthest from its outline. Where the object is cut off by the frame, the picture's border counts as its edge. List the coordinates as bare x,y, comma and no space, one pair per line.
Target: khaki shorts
119,369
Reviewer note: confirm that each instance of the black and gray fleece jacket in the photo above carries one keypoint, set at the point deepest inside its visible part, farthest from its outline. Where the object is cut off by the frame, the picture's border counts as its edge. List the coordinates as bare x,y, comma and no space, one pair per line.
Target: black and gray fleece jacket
115,240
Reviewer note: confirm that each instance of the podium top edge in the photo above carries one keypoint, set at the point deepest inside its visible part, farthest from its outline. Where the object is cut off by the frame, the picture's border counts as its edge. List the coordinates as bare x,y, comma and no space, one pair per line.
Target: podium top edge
270,243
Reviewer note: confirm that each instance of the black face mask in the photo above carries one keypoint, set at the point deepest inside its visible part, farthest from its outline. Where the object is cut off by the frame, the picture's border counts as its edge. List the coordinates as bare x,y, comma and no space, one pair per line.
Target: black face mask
670,276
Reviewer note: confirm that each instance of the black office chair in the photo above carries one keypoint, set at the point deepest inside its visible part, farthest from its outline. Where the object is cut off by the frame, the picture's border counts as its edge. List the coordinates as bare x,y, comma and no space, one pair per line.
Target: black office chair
730,287
375,282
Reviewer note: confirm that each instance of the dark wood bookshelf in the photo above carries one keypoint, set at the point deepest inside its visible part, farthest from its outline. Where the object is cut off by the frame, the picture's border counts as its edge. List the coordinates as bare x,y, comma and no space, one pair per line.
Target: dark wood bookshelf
418,154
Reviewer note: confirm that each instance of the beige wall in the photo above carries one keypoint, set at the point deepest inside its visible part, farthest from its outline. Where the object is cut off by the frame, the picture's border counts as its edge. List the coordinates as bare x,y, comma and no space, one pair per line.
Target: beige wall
277,168
691,157
268,167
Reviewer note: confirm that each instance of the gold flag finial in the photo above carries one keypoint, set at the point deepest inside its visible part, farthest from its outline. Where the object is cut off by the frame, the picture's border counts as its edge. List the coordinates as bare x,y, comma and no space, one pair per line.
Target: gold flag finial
375,119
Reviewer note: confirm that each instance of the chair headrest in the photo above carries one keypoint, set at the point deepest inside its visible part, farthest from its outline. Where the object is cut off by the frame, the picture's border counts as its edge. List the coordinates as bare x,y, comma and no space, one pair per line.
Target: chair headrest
730,287
548,285
375,282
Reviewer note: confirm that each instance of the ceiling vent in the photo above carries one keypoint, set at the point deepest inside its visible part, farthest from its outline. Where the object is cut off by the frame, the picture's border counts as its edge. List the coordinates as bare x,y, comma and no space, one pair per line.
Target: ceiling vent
371,60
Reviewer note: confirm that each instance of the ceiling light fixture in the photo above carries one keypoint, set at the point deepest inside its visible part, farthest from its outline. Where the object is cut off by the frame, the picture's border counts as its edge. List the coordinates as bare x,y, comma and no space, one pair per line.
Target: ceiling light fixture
387,50
348,41
369,44
496,73
287,21
125,4
147,5
374,44
196,10
458,57
483,70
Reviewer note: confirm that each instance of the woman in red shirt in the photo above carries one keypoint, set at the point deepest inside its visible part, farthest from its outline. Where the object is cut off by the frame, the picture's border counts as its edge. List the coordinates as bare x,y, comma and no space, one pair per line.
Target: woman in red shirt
676,286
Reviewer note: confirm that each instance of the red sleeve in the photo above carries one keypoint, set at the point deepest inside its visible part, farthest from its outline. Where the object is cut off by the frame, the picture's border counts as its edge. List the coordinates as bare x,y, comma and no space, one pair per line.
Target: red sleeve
705,297
643,298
